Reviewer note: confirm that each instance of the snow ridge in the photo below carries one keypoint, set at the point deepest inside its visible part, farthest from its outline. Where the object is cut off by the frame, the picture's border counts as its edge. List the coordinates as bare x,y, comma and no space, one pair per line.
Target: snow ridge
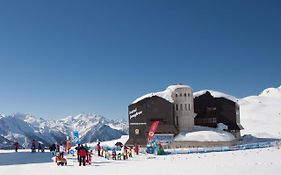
91,127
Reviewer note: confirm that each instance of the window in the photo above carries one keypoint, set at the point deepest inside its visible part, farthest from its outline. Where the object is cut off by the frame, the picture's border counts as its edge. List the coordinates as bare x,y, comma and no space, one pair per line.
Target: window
185,94
137,131
176,95
211,111
185,106
180,94
181,107
177,107
177,120
189,94
189,108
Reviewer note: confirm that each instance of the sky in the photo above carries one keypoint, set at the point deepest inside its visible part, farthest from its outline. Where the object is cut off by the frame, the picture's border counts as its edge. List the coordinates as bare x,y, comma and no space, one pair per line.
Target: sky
65,57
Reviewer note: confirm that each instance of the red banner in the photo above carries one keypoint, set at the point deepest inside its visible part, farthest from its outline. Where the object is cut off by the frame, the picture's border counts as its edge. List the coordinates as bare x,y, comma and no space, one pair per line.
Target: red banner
152,130
67,146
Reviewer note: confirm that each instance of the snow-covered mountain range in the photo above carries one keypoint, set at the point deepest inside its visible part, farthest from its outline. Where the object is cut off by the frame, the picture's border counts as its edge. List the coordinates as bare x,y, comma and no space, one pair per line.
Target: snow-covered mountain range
260,116
91,127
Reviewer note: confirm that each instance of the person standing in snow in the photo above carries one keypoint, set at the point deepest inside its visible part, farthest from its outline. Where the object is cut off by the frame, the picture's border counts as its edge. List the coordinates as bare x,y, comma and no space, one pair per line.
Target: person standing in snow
17,145
113,154
61,150
82,155
53,149
39,146
124,151
87,152
77,151
33,147
136,149
98,148
90,154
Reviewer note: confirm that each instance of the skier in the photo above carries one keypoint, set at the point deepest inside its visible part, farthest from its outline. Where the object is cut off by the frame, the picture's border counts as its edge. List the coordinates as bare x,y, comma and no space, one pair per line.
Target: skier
17,145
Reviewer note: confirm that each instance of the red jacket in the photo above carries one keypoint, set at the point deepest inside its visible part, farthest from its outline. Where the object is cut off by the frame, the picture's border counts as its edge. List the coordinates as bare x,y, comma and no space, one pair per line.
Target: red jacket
98,147
17,145
82,152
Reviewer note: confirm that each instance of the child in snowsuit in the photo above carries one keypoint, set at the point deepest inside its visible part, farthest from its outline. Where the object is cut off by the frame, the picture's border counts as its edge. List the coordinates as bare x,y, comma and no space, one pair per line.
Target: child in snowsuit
113,154
90,154
119,156
136,149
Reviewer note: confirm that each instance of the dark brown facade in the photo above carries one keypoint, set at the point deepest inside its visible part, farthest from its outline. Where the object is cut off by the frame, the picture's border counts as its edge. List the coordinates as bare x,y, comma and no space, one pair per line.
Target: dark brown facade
211,111
143,113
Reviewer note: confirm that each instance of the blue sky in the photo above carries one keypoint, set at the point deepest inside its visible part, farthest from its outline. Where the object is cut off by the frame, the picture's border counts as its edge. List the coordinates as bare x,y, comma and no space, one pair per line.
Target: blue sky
61,58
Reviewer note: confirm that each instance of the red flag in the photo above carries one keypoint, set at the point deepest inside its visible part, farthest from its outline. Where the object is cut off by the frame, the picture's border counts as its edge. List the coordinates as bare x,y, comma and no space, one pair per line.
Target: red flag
152,130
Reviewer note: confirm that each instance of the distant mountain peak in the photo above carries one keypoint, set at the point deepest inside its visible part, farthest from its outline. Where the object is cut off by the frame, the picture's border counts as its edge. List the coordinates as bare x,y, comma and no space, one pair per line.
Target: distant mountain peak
271,92
19,125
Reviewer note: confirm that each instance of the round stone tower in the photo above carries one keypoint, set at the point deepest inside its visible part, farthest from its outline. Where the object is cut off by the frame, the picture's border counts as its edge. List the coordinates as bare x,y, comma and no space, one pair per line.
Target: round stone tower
183,106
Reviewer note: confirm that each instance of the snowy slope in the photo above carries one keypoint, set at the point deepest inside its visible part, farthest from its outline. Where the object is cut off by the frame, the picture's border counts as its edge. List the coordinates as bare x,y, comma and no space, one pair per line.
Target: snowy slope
261,114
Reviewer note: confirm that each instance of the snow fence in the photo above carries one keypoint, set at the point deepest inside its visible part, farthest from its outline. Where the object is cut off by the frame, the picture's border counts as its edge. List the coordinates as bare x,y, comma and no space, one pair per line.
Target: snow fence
226,148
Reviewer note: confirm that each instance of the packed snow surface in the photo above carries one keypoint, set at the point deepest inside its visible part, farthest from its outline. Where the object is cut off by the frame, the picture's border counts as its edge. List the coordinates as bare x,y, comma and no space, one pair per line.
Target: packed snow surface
246,162
205,134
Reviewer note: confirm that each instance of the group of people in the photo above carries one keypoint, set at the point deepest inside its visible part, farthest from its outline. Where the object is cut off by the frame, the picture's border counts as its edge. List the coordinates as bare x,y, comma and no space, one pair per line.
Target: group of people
124,152
38,145
84,154
57,149
34,146
155,148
